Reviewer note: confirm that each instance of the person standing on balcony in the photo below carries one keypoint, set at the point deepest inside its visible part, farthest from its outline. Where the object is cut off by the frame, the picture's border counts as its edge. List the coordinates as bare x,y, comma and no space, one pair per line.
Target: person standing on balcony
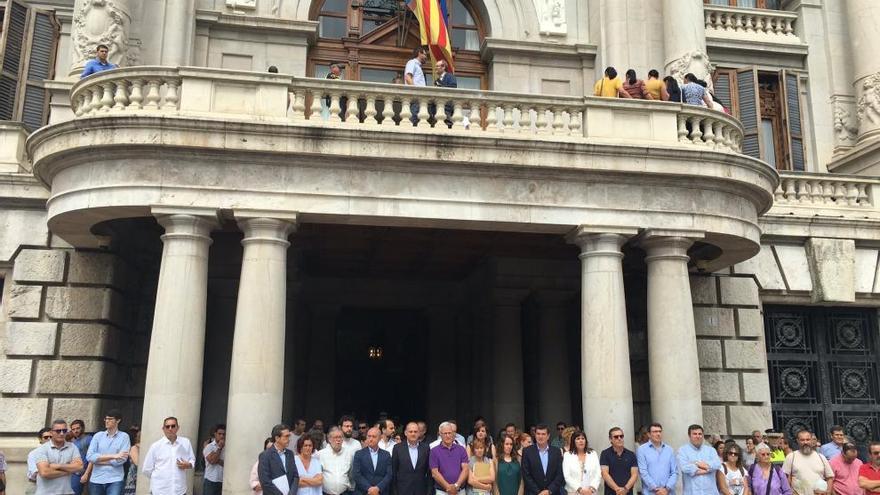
99,63
444,79
414,76
693,93
610,86
655,88
634,87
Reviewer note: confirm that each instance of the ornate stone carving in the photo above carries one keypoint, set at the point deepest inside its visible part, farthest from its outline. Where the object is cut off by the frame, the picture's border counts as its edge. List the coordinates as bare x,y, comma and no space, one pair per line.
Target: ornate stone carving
239,6
551,14
100,22
868,104
694,61
846,128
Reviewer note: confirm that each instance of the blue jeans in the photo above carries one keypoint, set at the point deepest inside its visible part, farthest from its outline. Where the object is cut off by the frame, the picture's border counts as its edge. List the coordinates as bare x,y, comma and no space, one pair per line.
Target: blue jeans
76,485
114,488
212,488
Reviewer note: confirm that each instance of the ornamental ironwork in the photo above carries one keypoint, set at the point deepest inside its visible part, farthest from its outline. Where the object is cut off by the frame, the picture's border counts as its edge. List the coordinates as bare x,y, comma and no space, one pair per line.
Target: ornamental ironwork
823,366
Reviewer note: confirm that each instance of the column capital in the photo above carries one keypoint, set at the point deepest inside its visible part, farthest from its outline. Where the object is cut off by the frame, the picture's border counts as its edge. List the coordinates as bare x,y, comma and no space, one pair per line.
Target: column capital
668,244
259,227
182,223
595,240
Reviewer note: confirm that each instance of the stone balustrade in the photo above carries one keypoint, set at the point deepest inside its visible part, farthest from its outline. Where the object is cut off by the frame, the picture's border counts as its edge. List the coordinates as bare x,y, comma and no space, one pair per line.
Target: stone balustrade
826,191
757,24
250,96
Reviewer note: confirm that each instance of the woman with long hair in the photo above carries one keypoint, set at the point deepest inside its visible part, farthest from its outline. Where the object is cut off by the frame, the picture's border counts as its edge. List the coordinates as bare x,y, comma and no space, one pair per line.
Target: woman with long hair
507,468
523,441
673,91
134,435
580,467
732,477
255,478
634,86
481,432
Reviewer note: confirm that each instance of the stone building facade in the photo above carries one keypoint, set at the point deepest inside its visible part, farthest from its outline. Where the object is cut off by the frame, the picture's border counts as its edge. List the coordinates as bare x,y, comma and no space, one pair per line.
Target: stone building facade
191,235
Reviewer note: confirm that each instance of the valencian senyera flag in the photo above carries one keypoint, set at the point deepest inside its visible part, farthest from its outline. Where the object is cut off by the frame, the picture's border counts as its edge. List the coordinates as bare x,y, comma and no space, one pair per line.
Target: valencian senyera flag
432,16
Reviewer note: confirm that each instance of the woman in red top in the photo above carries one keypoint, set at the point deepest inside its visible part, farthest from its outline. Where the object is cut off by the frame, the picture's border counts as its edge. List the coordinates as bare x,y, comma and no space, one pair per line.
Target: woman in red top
634,86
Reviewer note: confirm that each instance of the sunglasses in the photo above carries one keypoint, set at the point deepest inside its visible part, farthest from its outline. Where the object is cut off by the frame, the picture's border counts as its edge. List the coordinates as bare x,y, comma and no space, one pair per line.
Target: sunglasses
47,437
61,431
616,436
169,427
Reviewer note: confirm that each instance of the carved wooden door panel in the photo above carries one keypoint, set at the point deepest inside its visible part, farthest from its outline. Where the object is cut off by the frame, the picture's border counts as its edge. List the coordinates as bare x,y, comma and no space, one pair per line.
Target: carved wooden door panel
823,366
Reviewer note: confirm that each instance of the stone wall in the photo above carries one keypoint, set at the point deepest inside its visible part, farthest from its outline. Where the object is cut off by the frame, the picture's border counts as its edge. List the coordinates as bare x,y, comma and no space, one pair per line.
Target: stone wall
733,361
66,349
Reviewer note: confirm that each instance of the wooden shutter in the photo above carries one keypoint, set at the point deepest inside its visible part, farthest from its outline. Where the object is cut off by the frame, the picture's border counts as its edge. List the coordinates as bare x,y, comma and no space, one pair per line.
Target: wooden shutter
793,141
749,111
40,61
12,43
722,80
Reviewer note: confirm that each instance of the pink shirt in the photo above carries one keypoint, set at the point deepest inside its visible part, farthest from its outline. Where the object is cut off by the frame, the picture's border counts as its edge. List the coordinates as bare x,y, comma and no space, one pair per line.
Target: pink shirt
846,476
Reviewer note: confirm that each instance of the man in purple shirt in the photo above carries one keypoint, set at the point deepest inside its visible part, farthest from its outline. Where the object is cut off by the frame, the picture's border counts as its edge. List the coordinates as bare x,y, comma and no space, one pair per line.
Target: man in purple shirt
448,462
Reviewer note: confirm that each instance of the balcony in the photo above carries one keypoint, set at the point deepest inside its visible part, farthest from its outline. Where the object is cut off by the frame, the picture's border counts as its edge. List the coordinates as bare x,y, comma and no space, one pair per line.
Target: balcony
733,30
354,152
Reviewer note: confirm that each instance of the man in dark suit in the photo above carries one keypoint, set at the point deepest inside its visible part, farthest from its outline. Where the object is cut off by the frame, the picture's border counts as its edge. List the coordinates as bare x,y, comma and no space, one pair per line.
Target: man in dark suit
542,465
277,461
371,467
409,464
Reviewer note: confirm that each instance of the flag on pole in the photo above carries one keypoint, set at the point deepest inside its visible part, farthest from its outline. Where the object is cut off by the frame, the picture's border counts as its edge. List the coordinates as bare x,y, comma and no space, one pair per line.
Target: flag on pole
433,29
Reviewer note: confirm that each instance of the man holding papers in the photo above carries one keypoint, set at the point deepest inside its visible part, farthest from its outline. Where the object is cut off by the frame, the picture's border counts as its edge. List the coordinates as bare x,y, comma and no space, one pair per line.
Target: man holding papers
276,467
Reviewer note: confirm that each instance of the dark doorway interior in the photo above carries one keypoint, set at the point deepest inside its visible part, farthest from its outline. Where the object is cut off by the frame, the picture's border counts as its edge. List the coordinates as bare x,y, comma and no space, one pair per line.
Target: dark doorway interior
382,363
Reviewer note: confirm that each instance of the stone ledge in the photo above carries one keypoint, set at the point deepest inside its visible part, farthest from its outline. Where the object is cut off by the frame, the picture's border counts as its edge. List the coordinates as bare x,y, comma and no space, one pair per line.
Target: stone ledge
22,414
26,338
39,266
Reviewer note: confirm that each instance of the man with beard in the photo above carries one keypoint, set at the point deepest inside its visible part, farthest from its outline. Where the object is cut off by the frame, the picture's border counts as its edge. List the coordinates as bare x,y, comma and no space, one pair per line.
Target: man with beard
809,473
869,473
346,424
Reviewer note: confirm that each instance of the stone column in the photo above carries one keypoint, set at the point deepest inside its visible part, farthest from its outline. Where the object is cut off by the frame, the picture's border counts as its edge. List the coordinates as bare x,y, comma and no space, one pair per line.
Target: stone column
605,367
256,381
554,393
507,374
94,23
177,343
684,39
673,366
864,30
178,34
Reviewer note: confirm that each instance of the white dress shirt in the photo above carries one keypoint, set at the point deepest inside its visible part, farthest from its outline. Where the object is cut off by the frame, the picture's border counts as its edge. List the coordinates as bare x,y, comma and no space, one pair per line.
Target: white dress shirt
336,468
387,445
160,465
213,472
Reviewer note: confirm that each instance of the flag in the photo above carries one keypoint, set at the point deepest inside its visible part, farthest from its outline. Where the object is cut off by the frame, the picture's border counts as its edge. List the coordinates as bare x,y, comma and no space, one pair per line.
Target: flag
433,29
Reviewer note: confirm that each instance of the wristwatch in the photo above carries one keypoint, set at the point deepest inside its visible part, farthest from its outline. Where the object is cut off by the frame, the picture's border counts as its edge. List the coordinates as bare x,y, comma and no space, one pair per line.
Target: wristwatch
456,486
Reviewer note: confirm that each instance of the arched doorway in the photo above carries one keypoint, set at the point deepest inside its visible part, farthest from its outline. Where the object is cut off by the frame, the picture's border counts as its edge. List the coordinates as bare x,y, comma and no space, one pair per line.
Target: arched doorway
375,38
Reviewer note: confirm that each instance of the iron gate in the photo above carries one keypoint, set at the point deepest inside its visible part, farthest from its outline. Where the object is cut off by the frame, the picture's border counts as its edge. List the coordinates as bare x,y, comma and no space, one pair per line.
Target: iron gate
823,365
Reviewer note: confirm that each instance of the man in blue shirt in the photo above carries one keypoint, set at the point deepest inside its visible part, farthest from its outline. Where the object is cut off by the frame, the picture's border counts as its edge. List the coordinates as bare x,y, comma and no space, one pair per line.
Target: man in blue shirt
657,466
838,439
699,463
81,440
99,63
108,451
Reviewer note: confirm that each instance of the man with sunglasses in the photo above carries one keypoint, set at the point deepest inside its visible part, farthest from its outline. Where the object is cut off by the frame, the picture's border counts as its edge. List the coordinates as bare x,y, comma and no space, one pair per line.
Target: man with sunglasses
620,468
108,452
869,473
43,436
168,460
56,460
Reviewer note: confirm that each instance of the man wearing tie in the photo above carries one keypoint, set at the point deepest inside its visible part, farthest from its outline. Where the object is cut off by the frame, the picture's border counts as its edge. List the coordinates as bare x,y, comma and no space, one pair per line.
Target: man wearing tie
409,464
542,465
371,467
277,462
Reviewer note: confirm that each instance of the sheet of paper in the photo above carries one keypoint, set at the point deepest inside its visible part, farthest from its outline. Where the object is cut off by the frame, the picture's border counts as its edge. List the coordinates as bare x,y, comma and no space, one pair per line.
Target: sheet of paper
281,484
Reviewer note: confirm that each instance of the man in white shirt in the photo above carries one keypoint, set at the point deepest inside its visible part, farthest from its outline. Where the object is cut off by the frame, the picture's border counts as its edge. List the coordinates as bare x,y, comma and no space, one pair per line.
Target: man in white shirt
168,459
387,442
336,464
215,455
414,76
346,424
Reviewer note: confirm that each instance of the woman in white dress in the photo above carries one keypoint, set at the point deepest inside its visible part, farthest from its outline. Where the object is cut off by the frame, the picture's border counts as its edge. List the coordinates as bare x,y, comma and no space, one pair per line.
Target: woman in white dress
733,478
309,467
580,467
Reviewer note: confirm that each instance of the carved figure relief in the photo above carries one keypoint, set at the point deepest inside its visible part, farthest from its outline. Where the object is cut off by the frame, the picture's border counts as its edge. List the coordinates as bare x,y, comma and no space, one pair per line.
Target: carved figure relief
847,130
868,105
552,16
100,22
239,6
695,61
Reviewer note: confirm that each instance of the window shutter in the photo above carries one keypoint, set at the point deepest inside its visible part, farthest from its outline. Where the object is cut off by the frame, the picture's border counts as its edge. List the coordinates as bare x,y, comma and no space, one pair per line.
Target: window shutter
749,111
11,46
40,62
791,114
721,80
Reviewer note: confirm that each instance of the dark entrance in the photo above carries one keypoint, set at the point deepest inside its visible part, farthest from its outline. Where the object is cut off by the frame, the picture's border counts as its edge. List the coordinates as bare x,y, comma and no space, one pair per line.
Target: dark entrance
823,370
381,357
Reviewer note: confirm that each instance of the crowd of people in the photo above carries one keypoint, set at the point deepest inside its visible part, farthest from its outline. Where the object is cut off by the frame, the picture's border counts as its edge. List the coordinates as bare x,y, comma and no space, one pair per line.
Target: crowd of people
693,91
361,458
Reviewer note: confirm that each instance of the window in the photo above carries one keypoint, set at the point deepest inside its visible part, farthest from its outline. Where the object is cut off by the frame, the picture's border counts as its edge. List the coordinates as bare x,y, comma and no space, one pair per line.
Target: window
749,4
27,58
373,39
768,106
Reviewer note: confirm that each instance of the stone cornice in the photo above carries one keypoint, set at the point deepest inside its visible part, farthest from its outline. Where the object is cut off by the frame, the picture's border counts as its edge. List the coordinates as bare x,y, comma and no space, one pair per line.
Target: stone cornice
301,29
493,47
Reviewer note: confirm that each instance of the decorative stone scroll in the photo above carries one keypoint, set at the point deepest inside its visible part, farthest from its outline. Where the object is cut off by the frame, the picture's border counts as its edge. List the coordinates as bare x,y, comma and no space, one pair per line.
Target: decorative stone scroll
868,104
845,126
551,15
694,61
103,22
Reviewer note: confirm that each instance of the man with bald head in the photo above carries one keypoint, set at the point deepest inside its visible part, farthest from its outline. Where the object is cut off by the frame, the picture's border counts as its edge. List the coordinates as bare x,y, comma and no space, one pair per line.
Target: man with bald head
409,464
371,467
